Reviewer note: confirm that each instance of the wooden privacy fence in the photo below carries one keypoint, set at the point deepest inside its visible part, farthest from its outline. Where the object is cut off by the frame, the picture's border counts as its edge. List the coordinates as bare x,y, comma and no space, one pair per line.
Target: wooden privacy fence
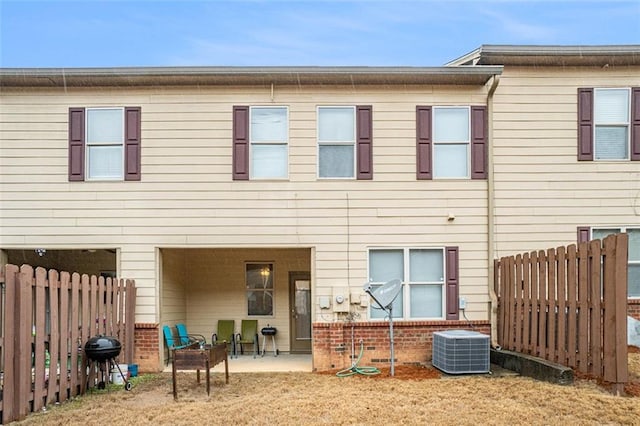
568,305
46,319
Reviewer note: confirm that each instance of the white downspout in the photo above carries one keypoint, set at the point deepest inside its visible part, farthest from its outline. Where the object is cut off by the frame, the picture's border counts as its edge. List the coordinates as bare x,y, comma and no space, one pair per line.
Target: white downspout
490,214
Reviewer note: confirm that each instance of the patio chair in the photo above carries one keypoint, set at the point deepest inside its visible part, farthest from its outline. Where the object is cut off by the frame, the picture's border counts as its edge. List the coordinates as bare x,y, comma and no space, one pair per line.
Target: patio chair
225,333
248,336
171,342
187,339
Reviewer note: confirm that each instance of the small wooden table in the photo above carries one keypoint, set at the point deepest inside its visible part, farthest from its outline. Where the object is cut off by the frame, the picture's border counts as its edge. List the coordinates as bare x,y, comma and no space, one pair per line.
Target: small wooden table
196,358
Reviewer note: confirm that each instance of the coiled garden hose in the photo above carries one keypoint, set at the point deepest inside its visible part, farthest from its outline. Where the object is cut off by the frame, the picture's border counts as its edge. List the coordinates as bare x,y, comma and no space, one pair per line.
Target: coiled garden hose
355,369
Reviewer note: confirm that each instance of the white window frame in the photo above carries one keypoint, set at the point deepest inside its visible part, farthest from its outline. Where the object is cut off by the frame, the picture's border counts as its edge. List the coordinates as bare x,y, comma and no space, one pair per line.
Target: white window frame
252,143
467,142
271,289
88,144
406,283
626,124
352,143
621,229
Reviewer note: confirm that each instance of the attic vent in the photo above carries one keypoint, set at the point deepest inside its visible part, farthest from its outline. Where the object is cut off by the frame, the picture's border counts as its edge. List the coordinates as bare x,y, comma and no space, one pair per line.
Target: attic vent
461,351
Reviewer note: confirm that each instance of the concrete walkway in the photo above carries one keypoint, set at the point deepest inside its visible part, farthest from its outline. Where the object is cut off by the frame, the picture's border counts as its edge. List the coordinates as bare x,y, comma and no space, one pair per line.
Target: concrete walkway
266,364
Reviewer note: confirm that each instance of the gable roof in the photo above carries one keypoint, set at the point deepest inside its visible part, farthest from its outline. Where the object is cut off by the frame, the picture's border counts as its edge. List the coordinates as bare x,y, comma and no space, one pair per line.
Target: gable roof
489,54
182,76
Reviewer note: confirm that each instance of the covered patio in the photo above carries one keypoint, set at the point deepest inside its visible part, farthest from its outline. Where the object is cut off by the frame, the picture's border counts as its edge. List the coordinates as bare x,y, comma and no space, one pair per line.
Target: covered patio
199,287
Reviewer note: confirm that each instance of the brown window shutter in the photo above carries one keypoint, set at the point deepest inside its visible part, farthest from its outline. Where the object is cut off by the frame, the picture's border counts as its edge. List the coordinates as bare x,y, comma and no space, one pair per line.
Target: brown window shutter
364,138
478,142
76,144
585,124
423,142
451,282
584,234
240,143
132,148
635,124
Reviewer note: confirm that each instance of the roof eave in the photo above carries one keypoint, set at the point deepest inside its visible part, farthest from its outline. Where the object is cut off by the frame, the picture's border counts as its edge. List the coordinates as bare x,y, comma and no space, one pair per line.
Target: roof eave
189,76
602,55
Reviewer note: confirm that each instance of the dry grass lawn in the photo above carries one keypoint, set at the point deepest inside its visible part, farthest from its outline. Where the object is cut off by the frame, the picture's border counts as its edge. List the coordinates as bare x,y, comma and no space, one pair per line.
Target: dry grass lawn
412,397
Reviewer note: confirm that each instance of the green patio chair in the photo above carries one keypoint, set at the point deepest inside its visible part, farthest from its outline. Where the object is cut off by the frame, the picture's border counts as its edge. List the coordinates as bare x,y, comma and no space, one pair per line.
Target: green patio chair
225,333
248,336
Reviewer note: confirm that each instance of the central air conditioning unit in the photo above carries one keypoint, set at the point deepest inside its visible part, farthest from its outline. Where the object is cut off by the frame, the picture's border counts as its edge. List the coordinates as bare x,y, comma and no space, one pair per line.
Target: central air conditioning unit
461,351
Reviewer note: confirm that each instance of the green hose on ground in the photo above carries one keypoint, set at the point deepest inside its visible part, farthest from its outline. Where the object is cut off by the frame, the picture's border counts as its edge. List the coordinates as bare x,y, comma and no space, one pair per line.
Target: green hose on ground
354,369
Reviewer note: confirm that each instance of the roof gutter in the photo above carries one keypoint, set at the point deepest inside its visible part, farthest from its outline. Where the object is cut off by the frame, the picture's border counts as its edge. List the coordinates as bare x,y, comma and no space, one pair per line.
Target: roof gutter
533,55
184,76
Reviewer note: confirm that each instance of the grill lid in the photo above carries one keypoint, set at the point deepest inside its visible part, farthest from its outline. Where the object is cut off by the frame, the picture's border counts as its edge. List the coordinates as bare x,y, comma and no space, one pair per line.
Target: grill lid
268,331
102,348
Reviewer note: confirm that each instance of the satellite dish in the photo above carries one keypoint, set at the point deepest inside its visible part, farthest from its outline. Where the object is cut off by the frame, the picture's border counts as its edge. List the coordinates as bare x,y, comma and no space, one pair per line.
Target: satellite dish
386,293
384,297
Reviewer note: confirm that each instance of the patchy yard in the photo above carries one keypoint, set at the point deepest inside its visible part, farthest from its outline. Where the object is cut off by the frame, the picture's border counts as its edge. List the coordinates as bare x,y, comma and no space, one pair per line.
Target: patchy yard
412,397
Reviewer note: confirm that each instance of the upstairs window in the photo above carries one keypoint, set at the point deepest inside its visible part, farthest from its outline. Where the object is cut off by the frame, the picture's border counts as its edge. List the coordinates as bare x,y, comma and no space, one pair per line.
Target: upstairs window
260,142
104,143
336,142
451,137
609,124
269,135
451,142
345,142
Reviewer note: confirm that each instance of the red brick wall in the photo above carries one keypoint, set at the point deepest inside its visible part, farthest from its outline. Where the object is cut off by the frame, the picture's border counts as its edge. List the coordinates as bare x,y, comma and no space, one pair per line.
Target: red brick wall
147,348
412,342
633,308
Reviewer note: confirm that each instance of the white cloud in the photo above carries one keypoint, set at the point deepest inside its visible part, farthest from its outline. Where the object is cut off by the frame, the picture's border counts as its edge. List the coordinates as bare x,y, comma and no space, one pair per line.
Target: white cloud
519,29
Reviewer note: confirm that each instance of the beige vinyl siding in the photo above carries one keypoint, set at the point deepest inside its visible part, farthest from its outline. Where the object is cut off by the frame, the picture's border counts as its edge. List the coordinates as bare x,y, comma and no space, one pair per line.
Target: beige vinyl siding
173,287
542,193
186,198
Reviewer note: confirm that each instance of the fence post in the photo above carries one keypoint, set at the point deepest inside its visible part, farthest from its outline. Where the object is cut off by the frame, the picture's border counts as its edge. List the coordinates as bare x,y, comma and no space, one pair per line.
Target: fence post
595,308
24,320
622,366
39,347
54,339
542,304
561,286
519,302
75,335
552,304
498,293
11,333
572,283
130,312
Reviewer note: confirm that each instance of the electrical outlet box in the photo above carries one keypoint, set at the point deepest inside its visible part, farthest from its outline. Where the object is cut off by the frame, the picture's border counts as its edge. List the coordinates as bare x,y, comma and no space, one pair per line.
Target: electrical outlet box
354,298
324,302
364,300
340,300
462,303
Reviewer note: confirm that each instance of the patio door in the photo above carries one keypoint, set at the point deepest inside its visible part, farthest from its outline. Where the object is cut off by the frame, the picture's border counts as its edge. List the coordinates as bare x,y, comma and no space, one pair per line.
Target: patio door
300,314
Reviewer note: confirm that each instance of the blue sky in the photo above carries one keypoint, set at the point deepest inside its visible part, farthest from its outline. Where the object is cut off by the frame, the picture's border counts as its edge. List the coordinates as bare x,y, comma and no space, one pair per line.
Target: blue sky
53,33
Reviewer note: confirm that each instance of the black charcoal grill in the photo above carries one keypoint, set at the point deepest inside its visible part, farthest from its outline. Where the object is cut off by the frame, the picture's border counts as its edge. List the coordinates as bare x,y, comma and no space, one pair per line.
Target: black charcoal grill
104,350
269,331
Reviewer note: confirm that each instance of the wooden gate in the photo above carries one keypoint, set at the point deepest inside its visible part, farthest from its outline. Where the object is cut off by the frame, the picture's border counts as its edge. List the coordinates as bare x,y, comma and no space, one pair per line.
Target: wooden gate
46,319
568,305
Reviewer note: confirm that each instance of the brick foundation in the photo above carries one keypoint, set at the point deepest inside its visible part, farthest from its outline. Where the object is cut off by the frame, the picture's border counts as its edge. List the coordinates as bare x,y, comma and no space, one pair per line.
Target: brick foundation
633,308
412,341
146,351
